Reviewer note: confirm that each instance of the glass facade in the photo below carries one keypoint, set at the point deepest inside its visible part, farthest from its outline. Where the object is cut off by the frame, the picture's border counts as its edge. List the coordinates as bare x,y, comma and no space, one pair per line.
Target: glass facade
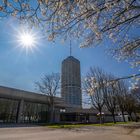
8,110
35,112
31,112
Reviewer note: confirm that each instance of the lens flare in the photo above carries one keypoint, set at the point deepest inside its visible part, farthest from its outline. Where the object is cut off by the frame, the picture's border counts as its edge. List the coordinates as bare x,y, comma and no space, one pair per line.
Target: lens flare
27,39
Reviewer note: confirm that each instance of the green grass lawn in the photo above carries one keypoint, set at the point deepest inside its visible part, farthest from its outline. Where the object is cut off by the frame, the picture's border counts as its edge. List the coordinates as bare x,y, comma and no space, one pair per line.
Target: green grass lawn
81,125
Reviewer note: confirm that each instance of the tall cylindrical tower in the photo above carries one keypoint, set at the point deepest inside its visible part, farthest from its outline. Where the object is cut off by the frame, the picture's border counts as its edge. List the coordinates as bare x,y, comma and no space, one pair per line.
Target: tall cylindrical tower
71,82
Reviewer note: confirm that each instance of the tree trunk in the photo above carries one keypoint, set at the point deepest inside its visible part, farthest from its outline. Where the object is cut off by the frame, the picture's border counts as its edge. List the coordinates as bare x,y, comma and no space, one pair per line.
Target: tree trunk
100,116
123,116
136,119
51,114
113,115
130,114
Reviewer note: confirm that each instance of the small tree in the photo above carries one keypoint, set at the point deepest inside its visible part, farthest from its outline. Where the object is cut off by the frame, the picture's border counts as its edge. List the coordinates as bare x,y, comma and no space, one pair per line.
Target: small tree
49,86
110,97
131,106
93,86
121,93
135,91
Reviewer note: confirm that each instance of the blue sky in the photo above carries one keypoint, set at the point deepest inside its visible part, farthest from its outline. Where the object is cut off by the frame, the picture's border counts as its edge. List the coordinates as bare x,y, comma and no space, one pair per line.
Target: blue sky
21,70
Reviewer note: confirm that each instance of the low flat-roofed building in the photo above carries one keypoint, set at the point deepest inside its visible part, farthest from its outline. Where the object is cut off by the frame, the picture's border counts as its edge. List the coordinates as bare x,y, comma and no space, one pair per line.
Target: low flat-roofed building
19,106
24,106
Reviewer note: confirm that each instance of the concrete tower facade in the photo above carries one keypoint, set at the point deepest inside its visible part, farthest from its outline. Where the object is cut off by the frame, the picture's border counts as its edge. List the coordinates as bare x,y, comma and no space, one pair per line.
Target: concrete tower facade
71,82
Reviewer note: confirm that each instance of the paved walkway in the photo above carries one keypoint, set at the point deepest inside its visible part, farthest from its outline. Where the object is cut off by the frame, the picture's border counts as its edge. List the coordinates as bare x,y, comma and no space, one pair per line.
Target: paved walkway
85,133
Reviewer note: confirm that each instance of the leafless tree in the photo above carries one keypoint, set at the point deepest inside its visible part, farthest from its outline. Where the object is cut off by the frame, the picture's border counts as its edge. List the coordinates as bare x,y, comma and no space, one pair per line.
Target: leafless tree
104,91
110,97
121,94
117,95
49,85
131,106
90,20
135,90
94,87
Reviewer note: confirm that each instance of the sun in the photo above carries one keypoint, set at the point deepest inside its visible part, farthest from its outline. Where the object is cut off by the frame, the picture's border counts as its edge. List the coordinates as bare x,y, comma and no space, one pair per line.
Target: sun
27,39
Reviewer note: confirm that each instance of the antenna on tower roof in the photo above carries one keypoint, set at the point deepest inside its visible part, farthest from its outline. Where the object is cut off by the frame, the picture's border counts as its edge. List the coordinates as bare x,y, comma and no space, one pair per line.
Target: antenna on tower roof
70,48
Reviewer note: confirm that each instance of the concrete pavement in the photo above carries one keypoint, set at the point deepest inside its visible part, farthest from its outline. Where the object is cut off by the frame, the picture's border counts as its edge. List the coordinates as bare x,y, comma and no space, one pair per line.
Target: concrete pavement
85,133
